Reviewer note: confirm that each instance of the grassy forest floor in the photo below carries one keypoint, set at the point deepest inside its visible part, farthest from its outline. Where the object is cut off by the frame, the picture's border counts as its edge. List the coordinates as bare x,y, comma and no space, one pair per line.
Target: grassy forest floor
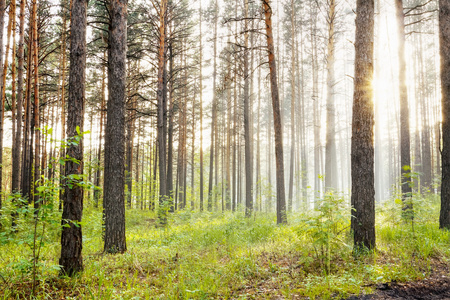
225,256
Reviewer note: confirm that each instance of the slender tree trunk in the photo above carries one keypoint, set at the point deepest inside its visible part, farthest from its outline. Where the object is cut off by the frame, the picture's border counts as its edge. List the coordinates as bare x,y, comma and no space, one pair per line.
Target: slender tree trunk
379,168
293,83
183,130
193,154
155,169
248,154
214,113
405,147
281,200
137,175
97,192
11,19
444,37
362,164
258,146
15,180
114,181
162,110
201,109
316,106
71,260
131,128
16,162
228,85
426,177
170,129
304,154
27,141
37,130
269,158
2,87
235,136
63,103
330,146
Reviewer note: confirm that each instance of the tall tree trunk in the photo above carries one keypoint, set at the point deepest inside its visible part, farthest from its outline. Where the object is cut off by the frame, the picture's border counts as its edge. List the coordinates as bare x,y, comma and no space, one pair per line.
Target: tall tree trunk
2,87
201,108
11,20
183,133
214,113
235,137
71,260
258,146
129,156
405,147
426,177
37,130
114,181
162,109
379,168
27,141
137,175
228,85
170,129
155,172
331,177
444,37
63,102
316,106
304,153
17,165
15,180
362,157
131,127
281,199
99,151
248,152
193,154
269,158
293,83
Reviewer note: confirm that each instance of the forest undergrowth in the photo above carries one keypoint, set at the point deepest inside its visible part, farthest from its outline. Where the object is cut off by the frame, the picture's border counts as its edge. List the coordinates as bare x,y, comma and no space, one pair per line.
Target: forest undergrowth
224,255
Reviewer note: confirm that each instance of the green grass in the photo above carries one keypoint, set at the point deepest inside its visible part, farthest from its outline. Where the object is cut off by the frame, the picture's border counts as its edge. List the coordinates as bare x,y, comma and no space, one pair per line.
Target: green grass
225,256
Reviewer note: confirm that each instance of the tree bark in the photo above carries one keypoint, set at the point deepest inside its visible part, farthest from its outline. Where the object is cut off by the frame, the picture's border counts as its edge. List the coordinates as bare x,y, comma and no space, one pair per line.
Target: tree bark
130,131
405,146
37,130
201,108
100,138
248,152
27,140
71,260
281,199
2,106
362,152
316,107
114,180
330,146
162,110
444,37
63,102
214,114
170,129
293,83
15,180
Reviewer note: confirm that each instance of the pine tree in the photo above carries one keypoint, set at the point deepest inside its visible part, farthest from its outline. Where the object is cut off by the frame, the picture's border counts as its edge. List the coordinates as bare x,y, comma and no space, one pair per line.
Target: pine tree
114,181
362,157
71,260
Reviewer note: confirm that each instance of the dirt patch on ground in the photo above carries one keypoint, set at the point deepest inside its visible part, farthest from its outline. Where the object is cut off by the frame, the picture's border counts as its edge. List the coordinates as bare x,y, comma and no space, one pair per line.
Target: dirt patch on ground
435,286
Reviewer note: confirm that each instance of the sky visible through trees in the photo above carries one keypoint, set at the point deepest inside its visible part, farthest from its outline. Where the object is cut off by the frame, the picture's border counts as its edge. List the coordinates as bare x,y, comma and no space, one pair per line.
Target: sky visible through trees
422,69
